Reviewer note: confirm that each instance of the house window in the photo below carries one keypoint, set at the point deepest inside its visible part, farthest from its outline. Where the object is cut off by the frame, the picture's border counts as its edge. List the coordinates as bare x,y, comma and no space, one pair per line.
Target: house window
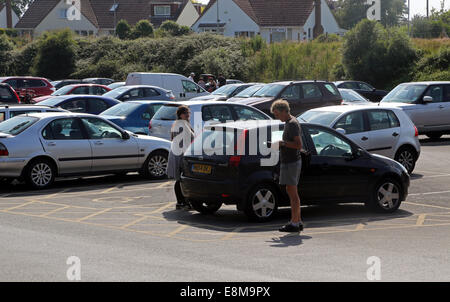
63,13
162,10
244,34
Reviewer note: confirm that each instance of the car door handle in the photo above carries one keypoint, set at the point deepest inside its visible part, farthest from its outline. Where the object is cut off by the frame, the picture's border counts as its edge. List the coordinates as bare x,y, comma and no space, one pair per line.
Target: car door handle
98,143
364,138
395,134
51,144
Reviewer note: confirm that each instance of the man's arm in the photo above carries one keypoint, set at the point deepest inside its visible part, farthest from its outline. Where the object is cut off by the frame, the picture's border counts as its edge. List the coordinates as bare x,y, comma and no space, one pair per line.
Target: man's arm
296,144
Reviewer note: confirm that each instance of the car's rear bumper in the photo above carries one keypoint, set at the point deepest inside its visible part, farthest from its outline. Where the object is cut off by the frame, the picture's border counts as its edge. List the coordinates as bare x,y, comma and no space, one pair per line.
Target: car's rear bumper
12,167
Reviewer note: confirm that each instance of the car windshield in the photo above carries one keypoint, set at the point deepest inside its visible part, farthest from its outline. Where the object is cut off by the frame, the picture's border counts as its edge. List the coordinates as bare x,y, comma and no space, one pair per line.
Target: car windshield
269,90
405,93
122,109
52,101
225,90
166,113
63,90
248,92
16,125
351,96
116,92
319,117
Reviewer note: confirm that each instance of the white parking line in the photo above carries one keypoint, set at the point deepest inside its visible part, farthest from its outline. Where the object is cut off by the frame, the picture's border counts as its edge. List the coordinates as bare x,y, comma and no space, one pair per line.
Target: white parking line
429,193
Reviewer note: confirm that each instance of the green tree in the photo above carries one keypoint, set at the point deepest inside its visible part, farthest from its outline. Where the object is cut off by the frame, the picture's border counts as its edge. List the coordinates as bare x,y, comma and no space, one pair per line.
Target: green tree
123,29
5,54
55,57
174,29
142,29
377,55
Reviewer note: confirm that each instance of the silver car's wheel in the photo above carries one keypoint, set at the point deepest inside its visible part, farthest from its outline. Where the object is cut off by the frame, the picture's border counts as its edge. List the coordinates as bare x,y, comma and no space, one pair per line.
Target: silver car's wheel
40,174
407,158
262,204
157,165
388,196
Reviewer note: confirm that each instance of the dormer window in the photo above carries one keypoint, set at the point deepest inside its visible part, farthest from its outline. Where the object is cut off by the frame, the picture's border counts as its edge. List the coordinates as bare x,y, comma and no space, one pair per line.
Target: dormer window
114,7
162,10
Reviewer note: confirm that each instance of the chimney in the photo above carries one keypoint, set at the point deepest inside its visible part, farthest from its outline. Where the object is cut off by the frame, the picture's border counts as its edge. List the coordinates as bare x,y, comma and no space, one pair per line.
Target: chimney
8,14
318,28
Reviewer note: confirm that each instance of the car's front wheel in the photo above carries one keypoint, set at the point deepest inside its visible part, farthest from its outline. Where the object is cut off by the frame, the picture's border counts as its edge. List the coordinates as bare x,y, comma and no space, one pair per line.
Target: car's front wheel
204,207
40,173
407,157
262,203
155,166
386,196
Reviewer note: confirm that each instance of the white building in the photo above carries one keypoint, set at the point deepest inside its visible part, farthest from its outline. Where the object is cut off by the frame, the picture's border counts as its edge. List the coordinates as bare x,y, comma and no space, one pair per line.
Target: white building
274,20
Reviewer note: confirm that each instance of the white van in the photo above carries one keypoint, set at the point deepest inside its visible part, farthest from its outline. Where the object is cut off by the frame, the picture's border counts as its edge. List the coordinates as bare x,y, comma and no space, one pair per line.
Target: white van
181,87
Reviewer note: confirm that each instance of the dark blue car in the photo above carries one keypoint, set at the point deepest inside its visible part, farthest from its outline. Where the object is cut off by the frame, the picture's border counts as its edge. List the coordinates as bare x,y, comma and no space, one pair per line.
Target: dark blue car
133,116
93,104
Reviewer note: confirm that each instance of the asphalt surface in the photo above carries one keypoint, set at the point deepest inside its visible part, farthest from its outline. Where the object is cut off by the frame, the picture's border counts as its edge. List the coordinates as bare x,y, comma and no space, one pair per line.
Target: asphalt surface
126,229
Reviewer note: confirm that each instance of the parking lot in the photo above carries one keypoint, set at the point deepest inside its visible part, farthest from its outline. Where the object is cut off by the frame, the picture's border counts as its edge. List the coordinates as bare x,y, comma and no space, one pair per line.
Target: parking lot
126,229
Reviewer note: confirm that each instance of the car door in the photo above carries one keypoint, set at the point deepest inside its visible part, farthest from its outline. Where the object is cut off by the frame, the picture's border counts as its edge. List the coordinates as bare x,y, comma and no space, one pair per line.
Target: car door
337,175
151,94
446,105
96,106
75,105
294,96
144,117
110,152
384,132
436,117
64,140
312,98
191,90
216,114
81,90
355,128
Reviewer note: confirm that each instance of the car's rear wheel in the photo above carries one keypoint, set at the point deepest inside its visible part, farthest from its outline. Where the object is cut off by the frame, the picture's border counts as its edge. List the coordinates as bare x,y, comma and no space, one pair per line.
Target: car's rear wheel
262,203
40,173
434,135
386,196
407,157
155,166
205,207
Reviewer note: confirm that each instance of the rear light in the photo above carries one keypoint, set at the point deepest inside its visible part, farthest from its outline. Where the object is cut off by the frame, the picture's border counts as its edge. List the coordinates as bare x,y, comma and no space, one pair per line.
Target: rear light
3,150
342,102
416,132
235,160
149,125
240,143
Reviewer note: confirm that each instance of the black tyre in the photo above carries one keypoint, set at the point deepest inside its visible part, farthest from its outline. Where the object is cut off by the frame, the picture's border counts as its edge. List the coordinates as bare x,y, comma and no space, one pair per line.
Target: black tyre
155,166
40,173
205,208
407,156
385,197
262,203
434,135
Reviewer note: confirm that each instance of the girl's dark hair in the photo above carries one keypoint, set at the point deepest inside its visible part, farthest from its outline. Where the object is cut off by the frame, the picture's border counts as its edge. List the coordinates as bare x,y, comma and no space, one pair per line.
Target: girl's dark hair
181,110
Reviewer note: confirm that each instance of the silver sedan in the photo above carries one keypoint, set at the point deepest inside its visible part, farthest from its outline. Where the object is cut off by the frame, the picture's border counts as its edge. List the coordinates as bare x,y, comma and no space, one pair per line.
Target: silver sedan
40,146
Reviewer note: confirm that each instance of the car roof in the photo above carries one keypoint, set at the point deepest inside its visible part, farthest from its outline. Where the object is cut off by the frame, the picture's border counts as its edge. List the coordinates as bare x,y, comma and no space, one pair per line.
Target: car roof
428,83
148,102
350,108
24,77
25,106
253,124
42,115
193,103
141,86
73,96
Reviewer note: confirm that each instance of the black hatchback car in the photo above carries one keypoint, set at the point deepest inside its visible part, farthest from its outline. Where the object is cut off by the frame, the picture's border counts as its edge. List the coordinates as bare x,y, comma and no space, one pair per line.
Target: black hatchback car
335,170
364,89
301,96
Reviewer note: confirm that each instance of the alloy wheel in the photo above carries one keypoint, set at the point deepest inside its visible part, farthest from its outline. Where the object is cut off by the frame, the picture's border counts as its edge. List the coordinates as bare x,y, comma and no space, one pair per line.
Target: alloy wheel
388,195
157,165
41,174
406,158
263,203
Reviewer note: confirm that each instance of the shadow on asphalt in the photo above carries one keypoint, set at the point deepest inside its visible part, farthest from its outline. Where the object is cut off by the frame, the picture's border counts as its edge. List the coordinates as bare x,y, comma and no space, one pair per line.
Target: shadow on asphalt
229,220
78,184
288,240
443,141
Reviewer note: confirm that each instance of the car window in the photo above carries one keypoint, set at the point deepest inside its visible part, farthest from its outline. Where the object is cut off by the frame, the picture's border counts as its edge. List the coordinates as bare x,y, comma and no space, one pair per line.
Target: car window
332,89
14,83
63,129
75,106
7,96
436,92
405,93
393,120
136,93
150,92
349,85
150,111
101,90
97,106
378,120
2,116
447,93
244,113
220,113
99,129
34,83
291,93
364,86
166,113
189,86
17,124
327,143
351,123
311,91
16,113
80,90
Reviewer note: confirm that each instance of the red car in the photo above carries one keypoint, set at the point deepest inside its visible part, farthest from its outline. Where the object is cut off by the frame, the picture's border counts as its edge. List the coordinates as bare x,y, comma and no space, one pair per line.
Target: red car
29,87
8,95
91,89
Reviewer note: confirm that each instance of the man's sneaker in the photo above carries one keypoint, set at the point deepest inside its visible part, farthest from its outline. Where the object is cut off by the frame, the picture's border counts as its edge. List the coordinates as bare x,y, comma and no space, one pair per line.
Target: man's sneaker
289,228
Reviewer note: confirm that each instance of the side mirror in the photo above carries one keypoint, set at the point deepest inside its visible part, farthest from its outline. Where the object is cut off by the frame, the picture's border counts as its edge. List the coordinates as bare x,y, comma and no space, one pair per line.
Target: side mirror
427,99
126,97
341,131
125,135
358,153
373,90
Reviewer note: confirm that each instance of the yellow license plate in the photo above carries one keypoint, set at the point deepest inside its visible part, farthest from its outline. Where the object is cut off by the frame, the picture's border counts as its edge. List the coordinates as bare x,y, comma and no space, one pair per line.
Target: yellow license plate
204,169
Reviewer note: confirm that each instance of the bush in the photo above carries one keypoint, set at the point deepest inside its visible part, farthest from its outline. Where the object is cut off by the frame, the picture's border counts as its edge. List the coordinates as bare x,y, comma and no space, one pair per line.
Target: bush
123,29
435,67
142,29
174,29
328,38
6,48
55,57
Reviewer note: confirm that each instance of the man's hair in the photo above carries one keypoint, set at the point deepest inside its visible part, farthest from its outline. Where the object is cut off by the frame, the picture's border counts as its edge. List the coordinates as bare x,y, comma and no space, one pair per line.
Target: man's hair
182,109
280,105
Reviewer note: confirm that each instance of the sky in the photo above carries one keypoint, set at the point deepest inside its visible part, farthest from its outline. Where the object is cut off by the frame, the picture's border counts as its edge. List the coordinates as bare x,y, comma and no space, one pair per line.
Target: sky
418,7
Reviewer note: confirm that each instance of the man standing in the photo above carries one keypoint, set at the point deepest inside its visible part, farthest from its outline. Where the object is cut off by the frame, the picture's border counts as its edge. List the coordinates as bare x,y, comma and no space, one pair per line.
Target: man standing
291,161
